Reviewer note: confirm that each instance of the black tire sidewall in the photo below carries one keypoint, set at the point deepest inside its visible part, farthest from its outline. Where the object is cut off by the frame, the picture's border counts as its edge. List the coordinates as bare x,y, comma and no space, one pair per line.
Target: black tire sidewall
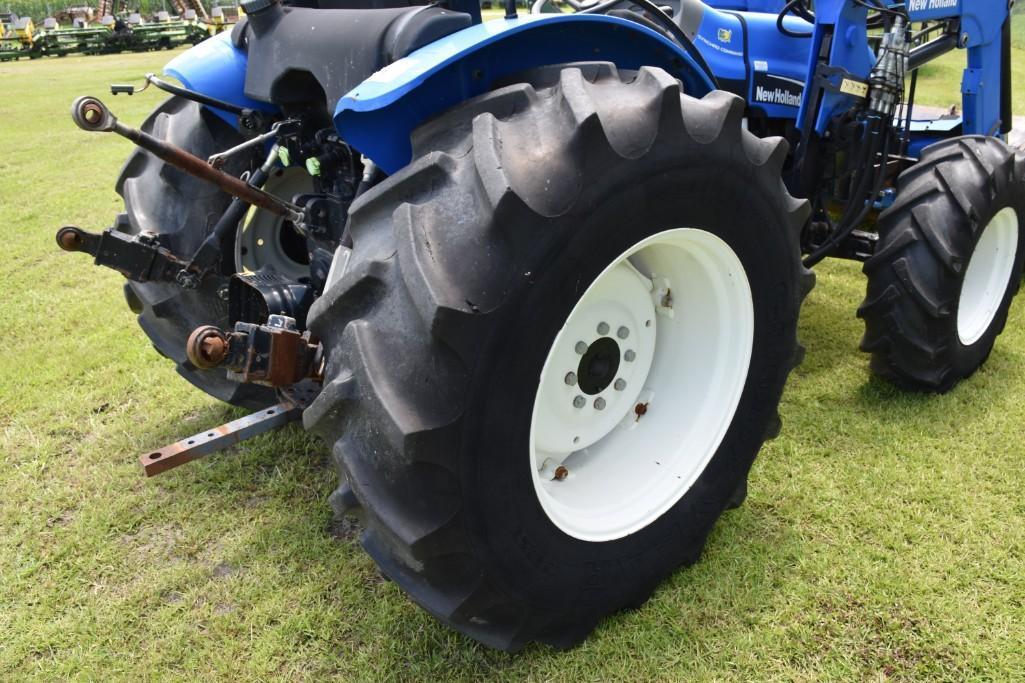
926,242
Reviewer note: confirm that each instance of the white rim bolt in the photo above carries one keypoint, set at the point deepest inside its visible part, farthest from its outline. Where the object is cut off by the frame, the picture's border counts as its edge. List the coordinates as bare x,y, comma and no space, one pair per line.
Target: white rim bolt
579,402
620,384
571,378
623,332
629,356
603,328
581,348
599,403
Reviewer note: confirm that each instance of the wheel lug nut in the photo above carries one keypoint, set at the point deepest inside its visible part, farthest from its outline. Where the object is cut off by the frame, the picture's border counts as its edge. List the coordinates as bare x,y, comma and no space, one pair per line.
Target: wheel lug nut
603,328
599,403
623,333
620,384
579,402
571,378
629,356
581,348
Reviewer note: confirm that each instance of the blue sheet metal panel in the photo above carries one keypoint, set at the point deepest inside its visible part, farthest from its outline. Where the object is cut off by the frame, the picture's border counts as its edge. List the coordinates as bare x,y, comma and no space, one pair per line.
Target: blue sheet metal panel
779,64
720,39
980,90
747,48
748,5
849,49
377,116
982,22
216,68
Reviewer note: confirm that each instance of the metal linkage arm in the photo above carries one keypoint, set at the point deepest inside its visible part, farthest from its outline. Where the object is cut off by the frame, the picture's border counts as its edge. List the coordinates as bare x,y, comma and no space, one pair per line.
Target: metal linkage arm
92,115
204,443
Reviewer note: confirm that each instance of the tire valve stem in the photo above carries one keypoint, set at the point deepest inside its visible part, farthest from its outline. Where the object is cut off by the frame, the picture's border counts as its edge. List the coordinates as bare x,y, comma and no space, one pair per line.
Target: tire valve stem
560,473
640,410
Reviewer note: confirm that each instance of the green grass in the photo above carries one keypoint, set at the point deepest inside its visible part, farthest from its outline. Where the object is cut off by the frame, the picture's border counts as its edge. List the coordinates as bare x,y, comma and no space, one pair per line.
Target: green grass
883,538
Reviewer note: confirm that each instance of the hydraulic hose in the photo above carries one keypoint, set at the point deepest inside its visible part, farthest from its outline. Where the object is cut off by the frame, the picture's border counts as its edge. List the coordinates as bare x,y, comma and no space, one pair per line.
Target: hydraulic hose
852,221
797,8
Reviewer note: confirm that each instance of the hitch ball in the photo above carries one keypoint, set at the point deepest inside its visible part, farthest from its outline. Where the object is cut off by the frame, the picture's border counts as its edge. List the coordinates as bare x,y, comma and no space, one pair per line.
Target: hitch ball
69,238
207,347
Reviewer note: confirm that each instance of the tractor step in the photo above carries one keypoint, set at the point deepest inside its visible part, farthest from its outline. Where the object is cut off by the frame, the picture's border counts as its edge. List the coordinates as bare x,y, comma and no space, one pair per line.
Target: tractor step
217,439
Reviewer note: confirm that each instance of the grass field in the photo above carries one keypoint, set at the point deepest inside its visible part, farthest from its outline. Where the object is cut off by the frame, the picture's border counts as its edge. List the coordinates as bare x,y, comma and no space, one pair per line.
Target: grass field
883,538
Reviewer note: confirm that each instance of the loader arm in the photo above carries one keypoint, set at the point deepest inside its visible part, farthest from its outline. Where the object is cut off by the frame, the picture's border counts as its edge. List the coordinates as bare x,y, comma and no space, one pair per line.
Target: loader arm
840,40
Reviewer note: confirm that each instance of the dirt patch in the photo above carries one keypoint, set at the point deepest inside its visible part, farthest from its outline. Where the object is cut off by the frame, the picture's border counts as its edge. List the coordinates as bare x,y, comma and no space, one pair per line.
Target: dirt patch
172,597
155,542
223,608
63,519
344,529
223,569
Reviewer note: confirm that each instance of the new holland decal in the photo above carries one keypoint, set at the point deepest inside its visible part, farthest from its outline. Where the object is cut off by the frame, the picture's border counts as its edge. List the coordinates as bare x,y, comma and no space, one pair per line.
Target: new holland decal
770,89
922,5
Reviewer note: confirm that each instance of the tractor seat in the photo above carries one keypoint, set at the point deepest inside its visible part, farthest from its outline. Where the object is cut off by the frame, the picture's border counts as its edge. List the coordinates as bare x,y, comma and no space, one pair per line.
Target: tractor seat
304,54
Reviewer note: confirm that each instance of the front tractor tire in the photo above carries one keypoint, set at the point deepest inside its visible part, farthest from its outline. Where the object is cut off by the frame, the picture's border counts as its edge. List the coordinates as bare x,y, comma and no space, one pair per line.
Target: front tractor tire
947,265
559,342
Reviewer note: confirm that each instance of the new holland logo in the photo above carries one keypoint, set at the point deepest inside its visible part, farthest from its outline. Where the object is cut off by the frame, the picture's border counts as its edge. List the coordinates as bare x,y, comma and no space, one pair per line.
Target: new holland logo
725,35
772,89
777,96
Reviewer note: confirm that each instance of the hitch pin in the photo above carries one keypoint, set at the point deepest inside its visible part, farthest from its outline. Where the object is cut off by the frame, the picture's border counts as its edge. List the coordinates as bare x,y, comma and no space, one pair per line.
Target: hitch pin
91,115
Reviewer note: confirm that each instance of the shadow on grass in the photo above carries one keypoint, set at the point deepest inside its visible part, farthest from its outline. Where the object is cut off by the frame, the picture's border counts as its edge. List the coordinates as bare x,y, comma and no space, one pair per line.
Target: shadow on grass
749,552
749,555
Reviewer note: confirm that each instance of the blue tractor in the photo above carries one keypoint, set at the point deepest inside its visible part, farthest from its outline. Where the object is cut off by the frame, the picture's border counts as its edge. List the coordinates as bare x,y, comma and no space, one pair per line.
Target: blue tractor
536,280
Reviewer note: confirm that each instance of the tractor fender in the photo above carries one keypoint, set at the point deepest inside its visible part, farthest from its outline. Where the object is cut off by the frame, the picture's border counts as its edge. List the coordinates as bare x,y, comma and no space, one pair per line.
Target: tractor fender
378,116
216,68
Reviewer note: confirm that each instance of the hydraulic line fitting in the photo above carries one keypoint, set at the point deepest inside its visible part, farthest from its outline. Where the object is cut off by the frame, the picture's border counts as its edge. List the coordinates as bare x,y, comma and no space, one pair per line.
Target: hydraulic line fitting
887,79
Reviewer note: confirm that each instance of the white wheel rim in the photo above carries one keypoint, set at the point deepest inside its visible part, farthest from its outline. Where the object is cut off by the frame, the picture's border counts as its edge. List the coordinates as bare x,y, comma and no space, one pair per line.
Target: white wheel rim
679,311
987,276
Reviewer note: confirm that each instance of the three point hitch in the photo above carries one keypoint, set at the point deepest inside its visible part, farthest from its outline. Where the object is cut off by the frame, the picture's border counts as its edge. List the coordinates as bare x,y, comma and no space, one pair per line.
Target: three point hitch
142,257
274,352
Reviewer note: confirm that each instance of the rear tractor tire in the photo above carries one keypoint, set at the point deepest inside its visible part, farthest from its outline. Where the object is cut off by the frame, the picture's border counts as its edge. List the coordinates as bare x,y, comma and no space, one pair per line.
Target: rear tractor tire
947,265
558,344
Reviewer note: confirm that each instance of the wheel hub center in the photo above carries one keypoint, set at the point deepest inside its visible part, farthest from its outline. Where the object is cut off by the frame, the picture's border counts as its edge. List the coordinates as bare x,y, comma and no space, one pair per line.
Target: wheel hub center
598,366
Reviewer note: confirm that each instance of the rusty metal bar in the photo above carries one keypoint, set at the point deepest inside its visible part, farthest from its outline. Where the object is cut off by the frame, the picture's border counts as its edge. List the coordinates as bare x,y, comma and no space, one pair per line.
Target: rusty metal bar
92,115
204,443
201,169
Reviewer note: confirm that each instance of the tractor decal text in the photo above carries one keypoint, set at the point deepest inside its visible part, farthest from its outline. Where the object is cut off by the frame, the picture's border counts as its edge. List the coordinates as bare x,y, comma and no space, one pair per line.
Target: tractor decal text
718,47
921,5
769,89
